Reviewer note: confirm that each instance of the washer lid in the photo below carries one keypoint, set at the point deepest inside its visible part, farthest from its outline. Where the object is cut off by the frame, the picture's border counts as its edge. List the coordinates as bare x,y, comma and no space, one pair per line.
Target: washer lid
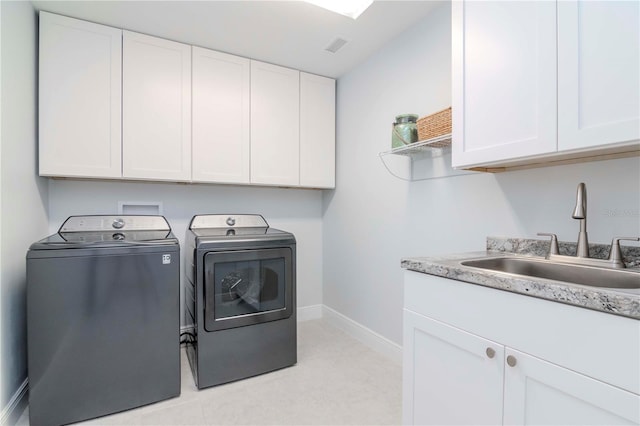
79,240
109,231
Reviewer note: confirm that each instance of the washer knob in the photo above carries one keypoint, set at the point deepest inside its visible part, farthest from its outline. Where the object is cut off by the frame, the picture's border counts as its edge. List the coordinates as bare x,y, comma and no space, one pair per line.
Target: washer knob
118,223
231,221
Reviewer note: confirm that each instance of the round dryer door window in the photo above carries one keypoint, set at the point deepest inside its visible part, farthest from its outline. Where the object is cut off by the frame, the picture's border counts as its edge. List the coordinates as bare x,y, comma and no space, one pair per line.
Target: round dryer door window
247,287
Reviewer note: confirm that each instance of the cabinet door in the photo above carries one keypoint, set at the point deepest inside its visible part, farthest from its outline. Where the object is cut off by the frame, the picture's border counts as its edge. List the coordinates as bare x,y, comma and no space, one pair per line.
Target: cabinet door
275,125
317,131
449,376
503,80
156,128
221,94
79,98
541,393
598,69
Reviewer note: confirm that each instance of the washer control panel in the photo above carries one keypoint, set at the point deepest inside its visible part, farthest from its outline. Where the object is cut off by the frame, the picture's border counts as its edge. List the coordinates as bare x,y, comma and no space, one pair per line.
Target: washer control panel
228,221
110,223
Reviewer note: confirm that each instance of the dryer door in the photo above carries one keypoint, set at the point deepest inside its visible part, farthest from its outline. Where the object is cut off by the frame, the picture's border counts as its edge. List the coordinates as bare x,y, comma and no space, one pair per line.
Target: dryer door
247,287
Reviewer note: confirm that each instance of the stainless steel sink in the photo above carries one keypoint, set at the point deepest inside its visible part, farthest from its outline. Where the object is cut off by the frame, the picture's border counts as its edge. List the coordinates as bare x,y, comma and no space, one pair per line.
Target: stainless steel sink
576,274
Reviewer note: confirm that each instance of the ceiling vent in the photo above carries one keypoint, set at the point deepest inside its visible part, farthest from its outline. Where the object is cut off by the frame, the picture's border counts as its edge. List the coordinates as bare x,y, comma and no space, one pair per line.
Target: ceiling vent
336,45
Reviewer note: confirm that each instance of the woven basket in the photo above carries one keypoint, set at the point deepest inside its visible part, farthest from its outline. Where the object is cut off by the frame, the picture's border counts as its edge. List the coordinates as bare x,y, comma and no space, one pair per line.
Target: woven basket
434,125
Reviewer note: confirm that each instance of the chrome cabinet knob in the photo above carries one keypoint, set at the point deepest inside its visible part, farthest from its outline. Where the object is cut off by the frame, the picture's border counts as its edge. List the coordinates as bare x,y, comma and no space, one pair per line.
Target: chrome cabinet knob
512,361
490,352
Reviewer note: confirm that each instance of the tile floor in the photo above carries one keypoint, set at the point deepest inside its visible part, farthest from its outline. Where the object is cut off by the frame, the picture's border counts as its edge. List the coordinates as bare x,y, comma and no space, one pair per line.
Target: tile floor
337,381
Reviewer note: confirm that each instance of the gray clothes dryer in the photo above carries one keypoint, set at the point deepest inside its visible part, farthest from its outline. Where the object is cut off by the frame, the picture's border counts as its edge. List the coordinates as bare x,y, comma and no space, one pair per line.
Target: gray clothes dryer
240,293
103,323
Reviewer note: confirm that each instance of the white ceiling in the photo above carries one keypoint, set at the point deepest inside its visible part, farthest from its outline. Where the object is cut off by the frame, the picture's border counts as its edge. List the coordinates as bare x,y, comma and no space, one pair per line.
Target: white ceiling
289,33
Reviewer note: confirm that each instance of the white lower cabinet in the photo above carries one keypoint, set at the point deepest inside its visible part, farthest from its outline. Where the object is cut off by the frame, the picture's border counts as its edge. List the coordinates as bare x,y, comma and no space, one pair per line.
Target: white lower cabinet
537,392
448,376
455,376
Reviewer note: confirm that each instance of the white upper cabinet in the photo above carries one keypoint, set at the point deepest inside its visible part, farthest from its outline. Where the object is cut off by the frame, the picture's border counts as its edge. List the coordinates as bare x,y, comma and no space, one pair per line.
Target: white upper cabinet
156,108
221,117
504,80
275,125
598,69
512,105
79,98
317,131
118,104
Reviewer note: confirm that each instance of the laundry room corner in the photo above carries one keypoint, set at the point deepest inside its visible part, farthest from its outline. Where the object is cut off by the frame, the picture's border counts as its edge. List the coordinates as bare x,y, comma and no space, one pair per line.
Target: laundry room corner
350,212
24,194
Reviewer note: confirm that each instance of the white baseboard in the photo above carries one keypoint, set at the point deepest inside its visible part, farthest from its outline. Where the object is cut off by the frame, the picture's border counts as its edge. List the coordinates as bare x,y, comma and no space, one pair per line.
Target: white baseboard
356,330
307,313
18,402
370,338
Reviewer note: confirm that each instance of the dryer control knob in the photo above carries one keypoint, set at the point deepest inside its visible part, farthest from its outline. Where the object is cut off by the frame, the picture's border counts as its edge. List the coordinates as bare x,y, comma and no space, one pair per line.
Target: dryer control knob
231,221
118,223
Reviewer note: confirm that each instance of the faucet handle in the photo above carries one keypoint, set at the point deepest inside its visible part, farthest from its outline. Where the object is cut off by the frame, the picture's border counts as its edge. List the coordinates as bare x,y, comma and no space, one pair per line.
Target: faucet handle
553,249
615,254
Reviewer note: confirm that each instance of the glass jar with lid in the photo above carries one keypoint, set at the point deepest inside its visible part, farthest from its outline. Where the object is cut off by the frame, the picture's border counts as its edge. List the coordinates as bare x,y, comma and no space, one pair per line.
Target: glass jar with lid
405,130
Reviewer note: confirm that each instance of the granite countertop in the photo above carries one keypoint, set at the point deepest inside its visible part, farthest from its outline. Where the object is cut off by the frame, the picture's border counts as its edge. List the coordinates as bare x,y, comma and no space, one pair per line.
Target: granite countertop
624,302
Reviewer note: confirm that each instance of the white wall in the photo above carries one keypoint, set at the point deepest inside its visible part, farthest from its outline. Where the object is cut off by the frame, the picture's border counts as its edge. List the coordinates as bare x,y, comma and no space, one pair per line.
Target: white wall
373,219
24,195
294,210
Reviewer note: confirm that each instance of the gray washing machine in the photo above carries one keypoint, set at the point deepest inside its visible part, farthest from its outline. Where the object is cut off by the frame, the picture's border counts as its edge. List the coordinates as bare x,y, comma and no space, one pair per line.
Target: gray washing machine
240,293
103,322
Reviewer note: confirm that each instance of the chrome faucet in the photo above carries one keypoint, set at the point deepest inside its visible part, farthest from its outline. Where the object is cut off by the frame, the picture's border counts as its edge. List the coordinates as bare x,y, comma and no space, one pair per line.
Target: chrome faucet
582,252
580,213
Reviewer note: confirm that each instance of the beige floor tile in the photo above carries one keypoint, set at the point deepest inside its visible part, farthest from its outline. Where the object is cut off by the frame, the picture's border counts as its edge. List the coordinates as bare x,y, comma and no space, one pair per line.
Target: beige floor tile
337,381
126,418
188,413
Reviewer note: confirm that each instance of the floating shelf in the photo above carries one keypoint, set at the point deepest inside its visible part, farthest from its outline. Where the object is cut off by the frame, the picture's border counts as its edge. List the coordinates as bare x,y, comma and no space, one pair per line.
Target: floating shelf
427,159
434,147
